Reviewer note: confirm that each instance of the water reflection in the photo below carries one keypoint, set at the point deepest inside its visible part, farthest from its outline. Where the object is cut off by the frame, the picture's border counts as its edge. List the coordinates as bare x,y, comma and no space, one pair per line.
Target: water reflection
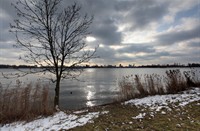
90,103
89,86
90,70
90,89
89,95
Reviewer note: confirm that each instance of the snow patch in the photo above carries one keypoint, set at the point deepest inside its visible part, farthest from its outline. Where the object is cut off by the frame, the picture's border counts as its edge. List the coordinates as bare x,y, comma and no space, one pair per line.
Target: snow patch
140,116
81,111
104,112
163,112
59,121
159,102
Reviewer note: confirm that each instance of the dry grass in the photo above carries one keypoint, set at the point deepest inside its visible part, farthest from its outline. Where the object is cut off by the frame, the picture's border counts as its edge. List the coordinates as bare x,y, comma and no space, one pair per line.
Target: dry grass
174,82
192,78
134,87
24,102
127,92
120,118
140,87
154,84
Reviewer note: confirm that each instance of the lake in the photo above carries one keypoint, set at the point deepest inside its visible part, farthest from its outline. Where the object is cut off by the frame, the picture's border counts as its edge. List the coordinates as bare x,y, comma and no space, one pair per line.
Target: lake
96,86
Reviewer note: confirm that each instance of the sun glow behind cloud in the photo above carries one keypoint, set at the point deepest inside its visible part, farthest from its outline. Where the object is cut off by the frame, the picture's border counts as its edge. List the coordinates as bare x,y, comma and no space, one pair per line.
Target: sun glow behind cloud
90,39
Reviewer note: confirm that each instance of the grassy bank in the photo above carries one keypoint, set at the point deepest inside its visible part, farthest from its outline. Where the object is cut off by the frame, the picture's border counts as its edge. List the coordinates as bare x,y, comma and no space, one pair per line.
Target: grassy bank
174,112
120,118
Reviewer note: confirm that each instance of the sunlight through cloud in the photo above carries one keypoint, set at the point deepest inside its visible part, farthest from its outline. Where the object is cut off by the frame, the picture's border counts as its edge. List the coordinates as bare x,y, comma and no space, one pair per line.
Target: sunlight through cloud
90,39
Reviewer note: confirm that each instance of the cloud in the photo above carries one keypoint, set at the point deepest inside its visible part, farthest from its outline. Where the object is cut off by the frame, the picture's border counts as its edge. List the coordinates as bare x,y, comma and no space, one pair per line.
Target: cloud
136,48
194,44
172,37
129,53
104,27
157,31
106,52
6,45
143,13
106,32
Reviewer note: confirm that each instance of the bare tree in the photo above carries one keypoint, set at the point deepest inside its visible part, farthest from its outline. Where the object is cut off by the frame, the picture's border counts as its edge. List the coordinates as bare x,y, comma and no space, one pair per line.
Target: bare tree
52,37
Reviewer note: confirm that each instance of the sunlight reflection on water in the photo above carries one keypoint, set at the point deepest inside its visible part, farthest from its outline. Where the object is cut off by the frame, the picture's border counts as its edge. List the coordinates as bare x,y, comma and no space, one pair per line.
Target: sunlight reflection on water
89,103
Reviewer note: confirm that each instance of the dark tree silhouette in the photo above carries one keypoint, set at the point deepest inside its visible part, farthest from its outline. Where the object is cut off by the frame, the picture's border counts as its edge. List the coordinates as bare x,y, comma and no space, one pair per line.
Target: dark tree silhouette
52,37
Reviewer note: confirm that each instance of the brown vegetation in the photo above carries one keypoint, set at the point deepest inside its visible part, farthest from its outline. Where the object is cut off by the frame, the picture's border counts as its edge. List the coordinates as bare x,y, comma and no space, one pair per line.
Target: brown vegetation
173,82
24,102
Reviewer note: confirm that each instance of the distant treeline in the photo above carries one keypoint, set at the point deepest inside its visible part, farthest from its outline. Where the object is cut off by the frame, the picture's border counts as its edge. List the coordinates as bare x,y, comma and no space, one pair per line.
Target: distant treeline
17,66
110,66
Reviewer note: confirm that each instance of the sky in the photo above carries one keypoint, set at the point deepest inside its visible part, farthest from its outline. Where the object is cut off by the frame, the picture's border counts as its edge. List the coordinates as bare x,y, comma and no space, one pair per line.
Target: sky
136,32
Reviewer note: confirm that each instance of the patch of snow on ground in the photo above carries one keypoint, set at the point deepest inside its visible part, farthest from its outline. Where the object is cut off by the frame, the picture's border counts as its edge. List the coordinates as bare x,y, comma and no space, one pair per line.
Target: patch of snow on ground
81,111
58,121
140,116
104,112
159,102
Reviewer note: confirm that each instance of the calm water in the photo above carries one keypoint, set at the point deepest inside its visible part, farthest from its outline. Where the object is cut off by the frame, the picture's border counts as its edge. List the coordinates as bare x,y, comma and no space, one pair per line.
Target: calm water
96,86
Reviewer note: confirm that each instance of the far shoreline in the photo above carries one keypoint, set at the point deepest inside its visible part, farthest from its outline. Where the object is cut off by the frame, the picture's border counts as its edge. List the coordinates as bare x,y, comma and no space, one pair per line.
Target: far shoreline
98,67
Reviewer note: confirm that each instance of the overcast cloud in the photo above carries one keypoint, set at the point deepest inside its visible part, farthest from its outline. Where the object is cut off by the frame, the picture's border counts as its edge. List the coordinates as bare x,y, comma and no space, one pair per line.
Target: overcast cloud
128,31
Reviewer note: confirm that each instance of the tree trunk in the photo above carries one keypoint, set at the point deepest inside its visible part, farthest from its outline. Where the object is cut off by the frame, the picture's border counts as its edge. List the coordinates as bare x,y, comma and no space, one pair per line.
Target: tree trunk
56,98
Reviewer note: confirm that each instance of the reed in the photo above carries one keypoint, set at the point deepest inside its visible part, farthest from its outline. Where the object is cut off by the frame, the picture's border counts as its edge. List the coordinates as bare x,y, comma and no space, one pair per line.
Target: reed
192,78
24,102
126,90
153,83
174,82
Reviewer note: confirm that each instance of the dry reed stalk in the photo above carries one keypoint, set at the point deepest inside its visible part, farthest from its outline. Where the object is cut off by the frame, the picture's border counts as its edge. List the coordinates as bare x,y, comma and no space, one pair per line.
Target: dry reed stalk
19,103
140,87
192,78
174,82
